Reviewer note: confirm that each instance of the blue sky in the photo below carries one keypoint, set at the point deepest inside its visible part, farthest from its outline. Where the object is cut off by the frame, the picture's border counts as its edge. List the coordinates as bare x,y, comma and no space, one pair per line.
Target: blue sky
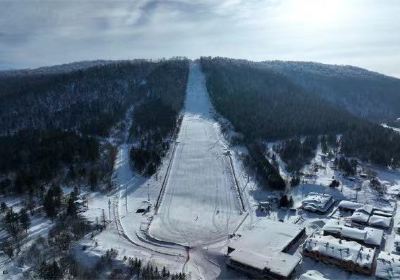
363,33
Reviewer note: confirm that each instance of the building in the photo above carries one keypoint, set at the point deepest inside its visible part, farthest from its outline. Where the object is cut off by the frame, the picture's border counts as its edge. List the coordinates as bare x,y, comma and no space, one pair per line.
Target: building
317,202
348,255
364,214
380,221
312,275
361,215
368,236
262,250
264,206
347,205
387,266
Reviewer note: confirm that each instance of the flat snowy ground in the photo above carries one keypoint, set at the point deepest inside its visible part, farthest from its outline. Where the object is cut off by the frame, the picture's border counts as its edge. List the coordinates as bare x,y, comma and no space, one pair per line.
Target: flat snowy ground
200,203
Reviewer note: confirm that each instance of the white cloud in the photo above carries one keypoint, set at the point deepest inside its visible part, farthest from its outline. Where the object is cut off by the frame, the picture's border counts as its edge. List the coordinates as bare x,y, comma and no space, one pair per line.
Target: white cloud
362,32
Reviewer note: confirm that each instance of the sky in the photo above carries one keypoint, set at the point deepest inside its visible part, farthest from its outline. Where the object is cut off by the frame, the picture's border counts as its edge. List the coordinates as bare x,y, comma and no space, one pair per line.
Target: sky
364,33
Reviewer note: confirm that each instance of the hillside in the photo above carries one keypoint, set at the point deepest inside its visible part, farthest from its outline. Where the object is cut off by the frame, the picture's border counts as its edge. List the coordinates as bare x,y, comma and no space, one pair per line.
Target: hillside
364,93
63,117
266,105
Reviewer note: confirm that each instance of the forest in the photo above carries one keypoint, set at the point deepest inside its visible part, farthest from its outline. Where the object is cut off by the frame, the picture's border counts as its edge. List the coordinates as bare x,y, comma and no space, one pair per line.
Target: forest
265,105
296,152
55,125
156,118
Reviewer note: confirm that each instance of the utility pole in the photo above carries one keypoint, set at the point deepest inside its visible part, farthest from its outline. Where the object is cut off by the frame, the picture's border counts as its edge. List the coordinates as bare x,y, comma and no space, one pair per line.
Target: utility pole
103,218
148,193
109,209
126,197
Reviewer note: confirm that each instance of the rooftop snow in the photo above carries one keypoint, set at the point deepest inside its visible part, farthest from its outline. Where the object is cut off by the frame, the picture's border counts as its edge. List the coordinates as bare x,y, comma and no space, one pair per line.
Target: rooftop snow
317,202
341,250
360,217
265,236
380,221
367,235
349,205
261,246
277,262
312,275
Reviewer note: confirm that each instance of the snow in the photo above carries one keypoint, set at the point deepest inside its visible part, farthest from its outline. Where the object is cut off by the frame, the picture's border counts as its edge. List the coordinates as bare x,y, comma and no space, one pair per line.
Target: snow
383,213
349,205
277,262
200,203
367,235
387,266
360,217
312,275
391,127
380,221
144,235
374,236
341,250
319,202
262,246
265,236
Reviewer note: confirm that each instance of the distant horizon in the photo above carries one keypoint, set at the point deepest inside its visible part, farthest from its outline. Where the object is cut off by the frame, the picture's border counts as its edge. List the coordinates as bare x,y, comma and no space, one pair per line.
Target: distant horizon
192,59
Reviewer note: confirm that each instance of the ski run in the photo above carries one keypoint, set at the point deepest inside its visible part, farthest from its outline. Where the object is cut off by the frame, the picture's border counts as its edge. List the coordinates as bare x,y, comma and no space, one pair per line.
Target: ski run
200,213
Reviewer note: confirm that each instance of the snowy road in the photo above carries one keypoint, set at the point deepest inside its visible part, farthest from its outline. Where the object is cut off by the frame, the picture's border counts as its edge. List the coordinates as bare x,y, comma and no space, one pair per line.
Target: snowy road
200,204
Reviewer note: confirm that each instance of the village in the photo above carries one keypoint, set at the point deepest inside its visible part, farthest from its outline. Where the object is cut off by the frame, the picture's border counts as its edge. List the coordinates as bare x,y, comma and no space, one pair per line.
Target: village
347,231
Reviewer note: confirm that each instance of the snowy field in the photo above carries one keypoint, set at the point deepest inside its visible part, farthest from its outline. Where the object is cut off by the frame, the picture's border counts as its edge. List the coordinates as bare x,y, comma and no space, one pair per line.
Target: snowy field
200,204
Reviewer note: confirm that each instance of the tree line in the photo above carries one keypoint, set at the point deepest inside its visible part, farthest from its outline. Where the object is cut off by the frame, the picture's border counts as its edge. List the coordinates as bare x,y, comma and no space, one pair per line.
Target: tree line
265,105
157,117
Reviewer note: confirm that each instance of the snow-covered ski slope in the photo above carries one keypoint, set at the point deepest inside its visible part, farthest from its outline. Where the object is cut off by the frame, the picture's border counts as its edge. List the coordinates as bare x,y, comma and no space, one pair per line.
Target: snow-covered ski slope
200,204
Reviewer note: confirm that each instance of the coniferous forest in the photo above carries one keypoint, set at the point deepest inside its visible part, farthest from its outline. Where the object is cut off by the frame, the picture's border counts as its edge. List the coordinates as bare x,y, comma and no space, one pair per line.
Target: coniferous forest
265,105
55,125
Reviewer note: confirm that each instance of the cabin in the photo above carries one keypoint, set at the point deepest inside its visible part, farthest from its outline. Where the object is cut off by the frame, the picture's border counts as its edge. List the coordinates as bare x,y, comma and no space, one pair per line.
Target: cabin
367,236
317,202
348,255
262,250
364,214
264,207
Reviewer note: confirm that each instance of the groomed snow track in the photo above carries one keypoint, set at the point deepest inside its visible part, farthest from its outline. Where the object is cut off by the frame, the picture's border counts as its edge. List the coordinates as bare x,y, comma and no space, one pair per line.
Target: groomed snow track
200,200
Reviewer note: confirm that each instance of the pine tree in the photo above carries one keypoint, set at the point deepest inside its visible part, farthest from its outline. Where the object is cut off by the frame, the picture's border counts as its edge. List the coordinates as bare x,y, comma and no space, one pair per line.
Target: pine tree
24,219
11,221
71,208
49,205
3,207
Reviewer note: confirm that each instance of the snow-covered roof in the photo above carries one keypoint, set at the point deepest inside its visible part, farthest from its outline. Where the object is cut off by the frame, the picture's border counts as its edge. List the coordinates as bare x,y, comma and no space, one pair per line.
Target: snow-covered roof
333,226
360,217
265,236
341,250
312,275
353,233
367,235
277,262
349,205
374,236
366,208
383,213
380,221
317,201
261,246
387,266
